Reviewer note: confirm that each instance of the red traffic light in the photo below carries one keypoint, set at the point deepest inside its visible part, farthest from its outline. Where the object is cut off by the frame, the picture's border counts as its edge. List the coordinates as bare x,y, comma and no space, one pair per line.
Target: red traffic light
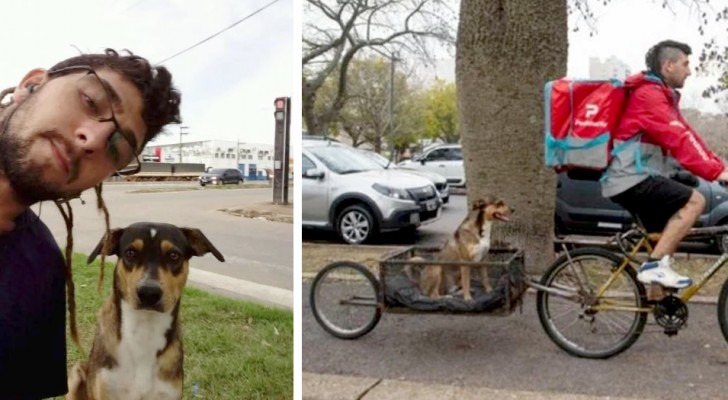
280,104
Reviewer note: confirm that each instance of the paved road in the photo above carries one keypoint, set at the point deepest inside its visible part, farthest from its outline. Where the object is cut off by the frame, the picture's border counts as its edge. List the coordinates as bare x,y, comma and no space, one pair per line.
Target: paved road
258,251
513,353
432,234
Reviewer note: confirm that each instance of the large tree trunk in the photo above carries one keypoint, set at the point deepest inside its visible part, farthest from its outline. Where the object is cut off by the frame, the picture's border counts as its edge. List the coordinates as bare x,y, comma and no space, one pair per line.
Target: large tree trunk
506,51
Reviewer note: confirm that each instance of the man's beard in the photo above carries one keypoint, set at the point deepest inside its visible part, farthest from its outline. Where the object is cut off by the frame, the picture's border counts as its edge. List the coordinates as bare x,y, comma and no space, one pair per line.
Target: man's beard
25,178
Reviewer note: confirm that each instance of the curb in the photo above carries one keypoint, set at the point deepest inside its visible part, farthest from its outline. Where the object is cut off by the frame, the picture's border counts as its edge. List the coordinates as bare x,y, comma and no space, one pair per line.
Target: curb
339,387
237,288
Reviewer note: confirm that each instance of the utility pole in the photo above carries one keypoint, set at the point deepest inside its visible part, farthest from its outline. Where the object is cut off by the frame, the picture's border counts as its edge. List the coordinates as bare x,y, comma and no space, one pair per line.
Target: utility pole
390,133
180,140
237,157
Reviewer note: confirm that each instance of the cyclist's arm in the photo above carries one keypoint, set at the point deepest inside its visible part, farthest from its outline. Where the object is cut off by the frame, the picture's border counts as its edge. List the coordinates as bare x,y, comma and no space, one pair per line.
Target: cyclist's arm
661,124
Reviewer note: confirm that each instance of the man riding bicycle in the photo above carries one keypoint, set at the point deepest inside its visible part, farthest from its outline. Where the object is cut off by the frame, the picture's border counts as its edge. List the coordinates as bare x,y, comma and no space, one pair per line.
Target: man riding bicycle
651,136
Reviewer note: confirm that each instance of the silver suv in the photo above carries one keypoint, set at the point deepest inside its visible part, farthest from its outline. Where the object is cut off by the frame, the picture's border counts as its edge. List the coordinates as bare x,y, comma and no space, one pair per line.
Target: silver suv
350,193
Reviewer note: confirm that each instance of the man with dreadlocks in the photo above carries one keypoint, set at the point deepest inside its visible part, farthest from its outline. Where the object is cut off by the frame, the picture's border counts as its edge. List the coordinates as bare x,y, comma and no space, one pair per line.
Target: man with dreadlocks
63,131
651,141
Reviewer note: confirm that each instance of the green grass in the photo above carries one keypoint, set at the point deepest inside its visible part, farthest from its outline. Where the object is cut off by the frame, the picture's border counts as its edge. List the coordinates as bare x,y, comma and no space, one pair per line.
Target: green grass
233,349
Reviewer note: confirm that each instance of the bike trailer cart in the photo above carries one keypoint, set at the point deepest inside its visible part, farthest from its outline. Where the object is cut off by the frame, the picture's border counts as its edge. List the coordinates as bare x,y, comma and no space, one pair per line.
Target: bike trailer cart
348,299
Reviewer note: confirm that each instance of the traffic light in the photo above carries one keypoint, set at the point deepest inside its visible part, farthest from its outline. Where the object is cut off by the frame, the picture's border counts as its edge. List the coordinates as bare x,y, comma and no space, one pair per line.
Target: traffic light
281,149
281,110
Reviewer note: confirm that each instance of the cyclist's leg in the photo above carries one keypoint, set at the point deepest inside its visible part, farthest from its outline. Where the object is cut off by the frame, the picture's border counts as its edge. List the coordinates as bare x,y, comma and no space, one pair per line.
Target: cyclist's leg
661,203
678,225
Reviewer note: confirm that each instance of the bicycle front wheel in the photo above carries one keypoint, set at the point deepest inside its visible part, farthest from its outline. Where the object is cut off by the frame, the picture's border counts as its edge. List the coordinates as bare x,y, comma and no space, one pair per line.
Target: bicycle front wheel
578,318
344,299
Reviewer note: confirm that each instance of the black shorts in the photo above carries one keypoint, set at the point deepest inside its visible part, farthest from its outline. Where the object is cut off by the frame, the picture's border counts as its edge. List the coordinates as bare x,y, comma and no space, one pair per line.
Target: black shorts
654,200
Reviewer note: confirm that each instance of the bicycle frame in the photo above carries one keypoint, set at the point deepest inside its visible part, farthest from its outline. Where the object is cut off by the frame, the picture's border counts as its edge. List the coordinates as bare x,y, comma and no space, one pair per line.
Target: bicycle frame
644,243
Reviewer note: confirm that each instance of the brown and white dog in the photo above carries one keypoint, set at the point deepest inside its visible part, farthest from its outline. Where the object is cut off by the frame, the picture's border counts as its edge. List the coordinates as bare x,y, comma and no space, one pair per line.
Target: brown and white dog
469,243
137,351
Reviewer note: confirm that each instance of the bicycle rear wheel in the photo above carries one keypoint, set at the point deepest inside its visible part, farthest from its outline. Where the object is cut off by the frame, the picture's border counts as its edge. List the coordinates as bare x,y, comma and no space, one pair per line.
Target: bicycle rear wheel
343,299
581,323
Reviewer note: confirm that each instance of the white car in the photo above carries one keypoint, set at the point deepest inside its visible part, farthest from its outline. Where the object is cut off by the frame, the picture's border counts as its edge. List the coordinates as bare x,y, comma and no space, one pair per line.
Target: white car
438,180
445,160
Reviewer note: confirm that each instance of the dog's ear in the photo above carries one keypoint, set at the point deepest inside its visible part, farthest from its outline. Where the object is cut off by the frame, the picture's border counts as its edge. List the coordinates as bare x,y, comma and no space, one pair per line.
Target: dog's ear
478,204
111,247
489,200
199,243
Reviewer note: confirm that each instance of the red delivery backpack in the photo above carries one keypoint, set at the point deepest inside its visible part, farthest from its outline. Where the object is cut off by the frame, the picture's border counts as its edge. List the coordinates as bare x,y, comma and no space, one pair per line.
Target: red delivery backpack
580,118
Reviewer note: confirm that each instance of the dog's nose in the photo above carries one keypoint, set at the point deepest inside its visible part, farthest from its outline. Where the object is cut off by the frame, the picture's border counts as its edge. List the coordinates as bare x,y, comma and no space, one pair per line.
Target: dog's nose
149,295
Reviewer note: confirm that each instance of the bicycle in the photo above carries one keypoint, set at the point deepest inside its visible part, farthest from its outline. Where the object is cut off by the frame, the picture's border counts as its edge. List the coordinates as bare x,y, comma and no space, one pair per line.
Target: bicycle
594,292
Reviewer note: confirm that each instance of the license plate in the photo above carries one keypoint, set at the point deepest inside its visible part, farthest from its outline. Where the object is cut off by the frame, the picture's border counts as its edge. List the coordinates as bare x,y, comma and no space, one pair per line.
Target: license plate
414,218
430,205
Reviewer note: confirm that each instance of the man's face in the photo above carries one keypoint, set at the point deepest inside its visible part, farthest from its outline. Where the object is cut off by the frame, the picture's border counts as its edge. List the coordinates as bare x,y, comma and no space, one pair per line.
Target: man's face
676,72
54,145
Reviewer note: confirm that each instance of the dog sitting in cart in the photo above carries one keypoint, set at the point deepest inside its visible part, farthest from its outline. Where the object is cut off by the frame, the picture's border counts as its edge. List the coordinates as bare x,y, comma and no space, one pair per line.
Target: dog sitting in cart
470,243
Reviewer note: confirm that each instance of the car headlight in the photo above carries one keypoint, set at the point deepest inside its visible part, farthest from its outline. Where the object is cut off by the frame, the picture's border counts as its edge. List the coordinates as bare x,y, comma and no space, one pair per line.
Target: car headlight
392,192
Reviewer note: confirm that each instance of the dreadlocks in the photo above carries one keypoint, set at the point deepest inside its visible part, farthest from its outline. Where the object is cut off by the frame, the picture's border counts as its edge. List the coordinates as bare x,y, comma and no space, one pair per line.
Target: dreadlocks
67,214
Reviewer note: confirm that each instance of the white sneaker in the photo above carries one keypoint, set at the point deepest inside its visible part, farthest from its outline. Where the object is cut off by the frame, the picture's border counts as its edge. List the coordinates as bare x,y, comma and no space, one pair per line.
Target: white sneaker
661,273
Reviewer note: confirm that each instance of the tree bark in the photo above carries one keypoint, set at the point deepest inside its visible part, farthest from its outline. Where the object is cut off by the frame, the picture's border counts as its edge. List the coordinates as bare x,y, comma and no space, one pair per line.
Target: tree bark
506,51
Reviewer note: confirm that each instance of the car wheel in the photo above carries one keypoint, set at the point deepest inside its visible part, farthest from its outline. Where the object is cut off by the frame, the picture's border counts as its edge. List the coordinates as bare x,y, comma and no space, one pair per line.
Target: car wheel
722,243
446,200
355,224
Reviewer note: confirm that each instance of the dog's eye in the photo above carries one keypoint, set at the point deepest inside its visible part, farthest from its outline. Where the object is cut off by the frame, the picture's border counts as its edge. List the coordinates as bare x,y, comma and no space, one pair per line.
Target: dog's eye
130,253
173,255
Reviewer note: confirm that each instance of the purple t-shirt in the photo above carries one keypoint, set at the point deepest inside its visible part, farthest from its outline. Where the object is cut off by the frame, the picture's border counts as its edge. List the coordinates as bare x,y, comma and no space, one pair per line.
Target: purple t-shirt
32,312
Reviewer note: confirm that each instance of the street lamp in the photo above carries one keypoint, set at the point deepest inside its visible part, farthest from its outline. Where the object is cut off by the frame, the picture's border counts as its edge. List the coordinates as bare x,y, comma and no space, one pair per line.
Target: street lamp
181,128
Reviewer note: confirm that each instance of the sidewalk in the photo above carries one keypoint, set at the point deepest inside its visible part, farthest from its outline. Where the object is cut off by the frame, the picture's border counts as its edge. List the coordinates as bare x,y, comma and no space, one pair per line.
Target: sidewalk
339,387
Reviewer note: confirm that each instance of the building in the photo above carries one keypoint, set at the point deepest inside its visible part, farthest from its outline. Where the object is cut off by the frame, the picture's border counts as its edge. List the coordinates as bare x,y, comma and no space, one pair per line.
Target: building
254,160
611,68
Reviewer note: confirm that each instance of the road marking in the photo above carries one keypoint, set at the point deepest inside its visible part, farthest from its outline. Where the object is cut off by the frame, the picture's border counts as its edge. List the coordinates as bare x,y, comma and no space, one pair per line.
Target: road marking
269,294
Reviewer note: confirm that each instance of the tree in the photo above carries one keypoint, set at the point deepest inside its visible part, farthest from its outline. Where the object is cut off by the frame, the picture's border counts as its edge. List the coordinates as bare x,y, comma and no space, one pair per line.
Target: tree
441,114
365,115
506,51
336,31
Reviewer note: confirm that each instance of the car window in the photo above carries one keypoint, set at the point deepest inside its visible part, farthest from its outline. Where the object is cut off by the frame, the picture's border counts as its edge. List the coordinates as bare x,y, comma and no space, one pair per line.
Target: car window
455,154
344,160
217,171
307,164
438,155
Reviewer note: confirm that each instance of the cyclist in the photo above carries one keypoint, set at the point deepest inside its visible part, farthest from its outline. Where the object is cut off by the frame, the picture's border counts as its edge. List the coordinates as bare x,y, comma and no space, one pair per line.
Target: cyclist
651,135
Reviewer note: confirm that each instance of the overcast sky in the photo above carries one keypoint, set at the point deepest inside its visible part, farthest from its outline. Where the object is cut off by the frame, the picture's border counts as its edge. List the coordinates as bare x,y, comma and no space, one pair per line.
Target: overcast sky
626,29
228,84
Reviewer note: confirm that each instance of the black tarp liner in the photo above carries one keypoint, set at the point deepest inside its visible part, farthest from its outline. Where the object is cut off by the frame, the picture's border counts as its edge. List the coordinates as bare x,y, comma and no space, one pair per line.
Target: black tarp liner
401,291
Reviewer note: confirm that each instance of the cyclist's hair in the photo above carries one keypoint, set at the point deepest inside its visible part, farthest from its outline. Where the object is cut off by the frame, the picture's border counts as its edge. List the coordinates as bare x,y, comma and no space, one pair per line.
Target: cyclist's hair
161,98
664,51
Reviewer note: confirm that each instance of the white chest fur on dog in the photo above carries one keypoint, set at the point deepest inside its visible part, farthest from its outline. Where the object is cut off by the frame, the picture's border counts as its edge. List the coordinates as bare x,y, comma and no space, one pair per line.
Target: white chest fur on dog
136,376
484,244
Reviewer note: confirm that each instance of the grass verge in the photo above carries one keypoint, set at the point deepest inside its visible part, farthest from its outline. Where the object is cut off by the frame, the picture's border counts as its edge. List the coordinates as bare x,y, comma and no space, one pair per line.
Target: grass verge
233,349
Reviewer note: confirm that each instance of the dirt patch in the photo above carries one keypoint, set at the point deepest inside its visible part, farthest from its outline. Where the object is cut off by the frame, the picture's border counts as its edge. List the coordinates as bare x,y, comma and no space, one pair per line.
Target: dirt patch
316,256
267,211
696,266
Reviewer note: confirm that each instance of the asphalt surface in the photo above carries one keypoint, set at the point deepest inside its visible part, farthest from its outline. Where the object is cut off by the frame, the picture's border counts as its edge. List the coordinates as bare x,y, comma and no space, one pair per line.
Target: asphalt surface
255,250
431,234
513,353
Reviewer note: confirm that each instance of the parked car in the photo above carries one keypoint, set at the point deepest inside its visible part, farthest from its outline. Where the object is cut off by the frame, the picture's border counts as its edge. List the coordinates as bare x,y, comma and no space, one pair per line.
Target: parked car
581,209
221,176
438,180
345,191
446,160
